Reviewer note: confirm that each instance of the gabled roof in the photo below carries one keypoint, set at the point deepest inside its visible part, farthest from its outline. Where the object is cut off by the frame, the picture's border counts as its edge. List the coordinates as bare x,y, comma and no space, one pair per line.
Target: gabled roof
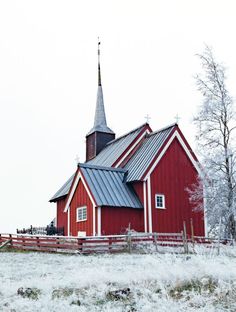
114,149
108,186
63,191
107,157
144,156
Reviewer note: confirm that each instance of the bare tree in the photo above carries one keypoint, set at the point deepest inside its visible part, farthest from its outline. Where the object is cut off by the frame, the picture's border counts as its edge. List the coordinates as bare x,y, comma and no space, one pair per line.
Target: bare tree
215,122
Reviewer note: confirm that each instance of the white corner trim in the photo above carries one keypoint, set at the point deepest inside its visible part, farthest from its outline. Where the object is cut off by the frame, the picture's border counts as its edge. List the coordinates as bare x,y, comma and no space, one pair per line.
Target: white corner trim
99,221
94,220
204,211
132,147
68,221
78,177
175,135
145,206
149,204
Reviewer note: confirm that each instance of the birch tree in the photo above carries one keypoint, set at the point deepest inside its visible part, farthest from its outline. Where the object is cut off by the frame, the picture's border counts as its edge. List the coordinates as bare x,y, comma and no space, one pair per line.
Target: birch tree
215,123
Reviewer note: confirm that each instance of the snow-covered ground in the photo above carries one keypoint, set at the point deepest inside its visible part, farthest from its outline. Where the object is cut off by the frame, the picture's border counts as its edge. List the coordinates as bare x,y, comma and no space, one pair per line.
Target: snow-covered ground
121,282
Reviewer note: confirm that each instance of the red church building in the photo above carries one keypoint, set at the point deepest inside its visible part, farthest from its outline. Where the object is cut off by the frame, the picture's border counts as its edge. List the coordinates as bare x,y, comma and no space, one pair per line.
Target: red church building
138,180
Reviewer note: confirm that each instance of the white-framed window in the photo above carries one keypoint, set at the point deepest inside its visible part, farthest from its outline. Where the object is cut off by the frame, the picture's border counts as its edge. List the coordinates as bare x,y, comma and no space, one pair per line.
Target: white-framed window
160,201
81,214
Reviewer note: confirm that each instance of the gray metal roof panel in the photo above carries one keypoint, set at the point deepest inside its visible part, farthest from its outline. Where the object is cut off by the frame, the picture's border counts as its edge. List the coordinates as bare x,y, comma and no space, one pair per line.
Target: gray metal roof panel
115,148
109,188
136,166
143,157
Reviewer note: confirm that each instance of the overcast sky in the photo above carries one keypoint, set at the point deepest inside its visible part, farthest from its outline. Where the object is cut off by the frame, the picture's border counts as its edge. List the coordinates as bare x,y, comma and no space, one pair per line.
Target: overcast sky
48,83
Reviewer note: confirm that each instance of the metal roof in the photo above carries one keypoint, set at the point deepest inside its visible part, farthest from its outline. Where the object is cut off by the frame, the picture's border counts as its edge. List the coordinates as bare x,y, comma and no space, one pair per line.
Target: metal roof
115,148
64,190
136,166
106,157
109,187
100,123
143,157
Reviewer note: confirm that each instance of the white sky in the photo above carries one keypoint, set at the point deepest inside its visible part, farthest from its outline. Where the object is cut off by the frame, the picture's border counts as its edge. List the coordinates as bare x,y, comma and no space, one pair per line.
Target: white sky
48,83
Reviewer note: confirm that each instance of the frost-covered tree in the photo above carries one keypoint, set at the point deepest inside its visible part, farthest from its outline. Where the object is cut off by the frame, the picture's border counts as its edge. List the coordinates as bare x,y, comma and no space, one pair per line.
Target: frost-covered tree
215,122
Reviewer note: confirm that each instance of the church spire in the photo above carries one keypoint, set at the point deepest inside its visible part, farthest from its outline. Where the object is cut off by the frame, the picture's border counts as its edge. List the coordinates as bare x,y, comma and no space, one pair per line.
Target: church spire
100,134
100,123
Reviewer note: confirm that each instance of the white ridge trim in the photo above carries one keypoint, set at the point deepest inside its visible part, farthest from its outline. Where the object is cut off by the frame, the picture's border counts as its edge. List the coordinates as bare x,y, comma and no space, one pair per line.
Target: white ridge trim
78,177
131,148
175,135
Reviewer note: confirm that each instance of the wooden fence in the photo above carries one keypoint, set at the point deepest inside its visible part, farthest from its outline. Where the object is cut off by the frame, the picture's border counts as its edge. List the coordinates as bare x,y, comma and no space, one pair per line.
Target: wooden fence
94,244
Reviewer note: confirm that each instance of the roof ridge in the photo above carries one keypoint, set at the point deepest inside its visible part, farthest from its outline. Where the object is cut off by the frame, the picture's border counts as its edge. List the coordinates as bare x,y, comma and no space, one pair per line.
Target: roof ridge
86,165
124,135
163,129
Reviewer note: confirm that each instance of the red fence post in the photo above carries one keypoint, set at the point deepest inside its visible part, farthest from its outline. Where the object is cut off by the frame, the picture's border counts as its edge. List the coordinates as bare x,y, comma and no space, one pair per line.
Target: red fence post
10,237
109,243
38,242
23,242
155,240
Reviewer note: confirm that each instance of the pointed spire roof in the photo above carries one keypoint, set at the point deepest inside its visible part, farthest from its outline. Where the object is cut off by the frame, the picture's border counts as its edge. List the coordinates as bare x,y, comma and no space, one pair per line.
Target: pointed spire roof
100,123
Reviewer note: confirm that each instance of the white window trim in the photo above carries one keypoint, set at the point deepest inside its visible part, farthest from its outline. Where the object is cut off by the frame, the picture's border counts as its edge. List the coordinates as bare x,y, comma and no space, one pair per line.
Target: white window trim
77,214
163,200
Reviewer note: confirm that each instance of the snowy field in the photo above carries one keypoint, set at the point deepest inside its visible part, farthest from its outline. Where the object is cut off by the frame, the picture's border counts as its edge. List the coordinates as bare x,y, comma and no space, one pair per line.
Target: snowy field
121,282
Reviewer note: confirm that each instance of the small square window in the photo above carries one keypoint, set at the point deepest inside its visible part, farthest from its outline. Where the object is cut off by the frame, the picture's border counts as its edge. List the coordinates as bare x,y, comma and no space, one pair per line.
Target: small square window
81,214
160,201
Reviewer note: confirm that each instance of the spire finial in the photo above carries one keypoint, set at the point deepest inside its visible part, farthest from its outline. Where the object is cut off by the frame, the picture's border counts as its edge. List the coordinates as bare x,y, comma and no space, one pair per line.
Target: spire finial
99,69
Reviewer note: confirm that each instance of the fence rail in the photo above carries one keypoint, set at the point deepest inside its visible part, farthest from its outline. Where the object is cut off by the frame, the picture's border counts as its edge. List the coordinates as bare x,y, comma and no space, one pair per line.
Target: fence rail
102,244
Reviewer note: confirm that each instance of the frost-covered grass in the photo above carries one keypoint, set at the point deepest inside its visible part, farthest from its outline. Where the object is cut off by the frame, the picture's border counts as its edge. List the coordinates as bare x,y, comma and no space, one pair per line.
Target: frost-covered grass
122,282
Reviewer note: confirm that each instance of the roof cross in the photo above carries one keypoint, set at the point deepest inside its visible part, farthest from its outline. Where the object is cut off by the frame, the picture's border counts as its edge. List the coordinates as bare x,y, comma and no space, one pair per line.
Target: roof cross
147,118
177,118
77,159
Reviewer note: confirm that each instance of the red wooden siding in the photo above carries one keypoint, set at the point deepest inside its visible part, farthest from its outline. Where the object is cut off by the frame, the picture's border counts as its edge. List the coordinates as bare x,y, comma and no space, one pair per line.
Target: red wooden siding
138,187
171,177
61,215
80,199
115,220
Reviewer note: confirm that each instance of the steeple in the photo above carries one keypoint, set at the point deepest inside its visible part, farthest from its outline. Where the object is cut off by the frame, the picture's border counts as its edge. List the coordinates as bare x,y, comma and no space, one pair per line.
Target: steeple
100,123
100,134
